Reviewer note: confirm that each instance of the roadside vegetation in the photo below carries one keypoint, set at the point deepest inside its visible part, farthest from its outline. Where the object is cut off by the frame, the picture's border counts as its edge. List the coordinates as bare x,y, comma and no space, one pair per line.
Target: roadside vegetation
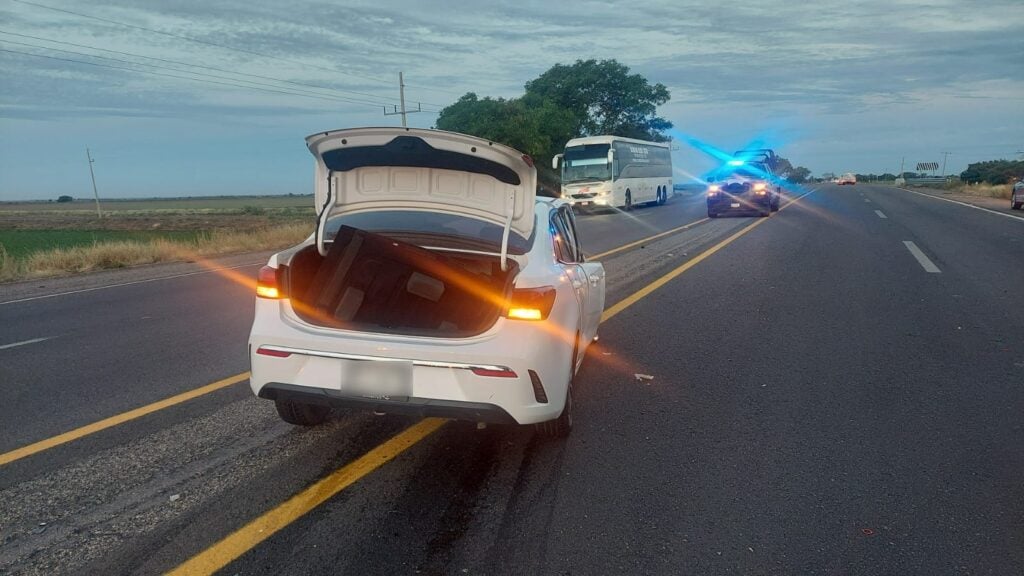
41,239
982,189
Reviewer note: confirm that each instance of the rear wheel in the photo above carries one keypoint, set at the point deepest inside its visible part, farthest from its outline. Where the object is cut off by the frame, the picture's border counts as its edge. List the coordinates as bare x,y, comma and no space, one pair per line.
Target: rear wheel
301,414
775,204
629,202
1016,205
664,197
712,214
561,426
766,210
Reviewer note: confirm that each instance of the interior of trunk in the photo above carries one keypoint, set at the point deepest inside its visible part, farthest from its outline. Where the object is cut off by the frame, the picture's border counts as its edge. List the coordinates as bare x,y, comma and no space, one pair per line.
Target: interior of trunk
373,283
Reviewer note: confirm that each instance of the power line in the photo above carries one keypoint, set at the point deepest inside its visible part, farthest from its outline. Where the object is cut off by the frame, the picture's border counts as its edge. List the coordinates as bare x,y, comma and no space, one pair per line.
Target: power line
178,62
206,42
297,91
285,92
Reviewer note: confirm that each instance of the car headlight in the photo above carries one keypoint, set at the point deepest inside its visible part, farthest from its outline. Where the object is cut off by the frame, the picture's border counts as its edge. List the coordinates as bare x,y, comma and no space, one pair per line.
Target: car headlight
760,186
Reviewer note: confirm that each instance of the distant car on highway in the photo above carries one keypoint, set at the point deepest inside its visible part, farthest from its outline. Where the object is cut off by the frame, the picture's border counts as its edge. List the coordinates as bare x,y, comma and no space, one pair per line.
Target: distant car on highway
436,283
743,186
1017,195
847,179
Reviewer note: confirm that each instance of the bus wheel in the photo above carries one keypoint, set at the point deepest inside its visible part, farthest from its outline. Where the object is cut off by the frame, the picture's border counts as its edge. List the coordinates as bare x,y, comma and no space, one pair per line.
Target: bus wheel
629,202
663,197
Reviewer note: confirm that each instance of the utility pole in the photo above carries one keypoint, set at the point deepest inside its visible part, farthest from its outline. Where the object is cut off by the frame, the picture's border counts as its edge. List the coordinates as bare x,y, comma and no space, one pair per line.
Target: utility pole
401,95
95,194
901,165
945,155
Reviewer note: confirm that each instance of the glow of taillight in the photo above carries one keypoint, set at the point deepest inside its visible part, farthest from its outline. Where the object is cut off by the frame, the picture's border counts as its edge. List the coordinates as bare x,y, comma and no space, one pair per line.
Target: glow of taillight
525,313
714,188
760,186
494,373
274,353
531,303
267,283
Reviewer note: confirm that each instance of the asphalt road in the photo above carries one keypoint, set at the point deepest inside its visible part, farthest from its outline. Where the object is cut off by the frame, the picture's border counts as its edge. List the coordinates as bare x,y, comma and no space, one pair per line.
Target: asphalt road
821,403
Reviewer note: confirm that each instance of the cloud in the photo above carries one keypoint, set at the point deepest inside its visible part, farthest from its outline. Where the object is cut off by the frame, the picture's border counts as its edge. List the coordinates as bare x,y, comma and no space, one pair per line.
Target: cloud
790,68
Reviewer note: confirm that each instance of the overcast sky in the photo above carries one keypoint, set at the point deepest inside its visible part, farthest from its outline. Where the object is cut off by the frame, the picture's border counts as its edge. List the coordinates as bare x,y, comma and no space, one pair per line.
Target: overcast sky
231,88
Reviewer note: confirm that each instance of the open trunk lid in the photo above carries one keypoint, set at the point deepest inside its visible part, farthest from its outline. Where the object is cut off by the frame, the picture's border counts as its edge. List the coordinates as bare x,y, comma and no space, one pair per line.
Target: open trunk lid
366,169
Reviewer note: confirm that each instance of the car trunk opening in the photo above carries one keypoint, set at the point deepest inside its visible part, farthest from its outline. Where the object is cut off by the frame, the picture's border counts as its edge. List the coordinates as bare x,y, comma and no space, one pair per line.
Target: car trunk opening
373,283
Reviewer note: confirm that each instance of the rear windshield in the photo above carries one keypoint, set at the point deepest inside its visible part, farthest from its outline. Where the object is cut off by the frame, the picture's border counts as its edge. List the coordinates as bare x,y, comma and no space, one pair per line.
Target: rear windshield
431,229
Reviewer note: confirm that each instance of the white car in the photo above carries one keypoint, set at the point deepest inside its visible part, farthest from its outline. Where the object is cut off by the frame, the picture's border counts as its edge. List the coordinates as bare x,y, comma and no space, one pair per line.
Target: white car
436,283
1017,195
847,179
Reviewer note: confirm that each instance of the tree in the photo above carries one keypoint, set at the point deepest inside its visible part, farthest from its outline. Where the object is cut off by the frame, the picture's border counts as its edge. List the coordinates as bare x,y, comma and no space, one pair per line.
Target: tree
798,175
604,98
539,128
65,199
993,171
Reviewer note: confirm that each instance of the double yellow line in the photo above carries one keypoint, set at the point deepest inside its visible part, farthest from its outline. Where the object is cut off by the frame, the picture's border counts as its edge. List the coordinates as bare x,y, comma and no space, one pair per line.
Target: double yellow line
259,529
77,433
247,537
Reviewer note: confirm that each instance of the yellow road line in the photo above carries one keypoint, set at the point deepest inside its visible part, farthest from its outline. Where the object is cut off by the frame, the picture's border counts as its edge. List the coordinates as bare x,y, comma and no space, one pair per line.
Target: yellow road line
648,239
646,290
245,538
8,457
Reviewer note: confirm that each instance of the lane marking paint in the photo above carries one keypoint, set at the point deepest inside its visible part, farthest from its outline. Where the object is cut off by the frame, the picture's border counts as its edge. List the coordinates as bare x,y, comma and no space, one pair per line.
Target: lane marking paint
990,211
19,453
923,260
881,215
247,537
88,429
648,239
30,298
646,290
24,342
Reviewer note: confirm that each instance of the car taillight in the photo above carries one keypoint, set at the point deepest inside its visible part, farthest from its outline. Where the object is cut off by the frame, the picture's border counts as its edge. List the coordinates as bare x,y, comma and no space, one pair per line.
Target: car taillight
531,303
268,283
502,373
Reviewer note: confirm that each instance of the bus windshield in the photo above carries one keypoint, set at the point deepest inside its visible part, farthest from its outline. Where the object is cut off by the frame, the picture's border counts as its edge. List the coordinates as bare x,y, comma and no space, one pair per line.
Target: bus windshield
586,163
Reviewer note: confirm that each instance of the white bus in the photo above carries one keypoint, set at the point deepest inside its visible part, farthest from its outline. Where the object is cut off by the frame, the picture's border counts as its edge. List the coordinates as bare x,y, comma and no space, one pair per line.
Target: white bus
614,171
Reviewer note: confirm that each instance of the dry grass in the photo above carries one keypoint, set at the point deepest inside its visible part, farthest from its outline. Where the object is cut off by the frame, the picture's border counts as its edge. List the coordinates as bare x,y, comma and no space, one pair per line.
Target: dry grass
984,190
122,254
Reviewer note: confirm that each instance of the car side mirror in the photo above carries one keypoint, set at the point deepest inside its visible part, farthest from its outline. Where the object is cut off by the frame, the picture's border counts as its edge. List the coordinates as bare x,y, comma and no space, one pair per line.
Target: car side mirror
555,161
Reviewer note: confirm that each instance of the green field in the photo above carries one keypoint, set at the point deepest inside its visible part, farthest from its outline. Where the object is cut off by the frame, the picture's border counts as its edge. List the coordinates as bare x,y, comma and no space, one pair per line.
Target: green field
20,243
199,204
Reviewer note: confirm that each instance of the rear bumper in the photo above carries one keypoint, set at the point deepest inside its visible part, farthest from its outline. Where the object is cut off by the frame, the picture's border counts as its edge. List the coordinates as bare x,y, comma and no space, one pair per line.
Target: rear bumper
444,382
721,204
421,407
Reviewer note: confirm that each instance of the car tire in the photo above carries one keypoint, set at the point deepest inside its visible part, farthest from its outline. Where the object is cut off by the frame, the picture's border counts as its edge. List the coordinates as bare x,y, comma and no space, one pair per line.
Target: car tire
561,426
301,414
1016,205
712,214
775,204
766,211
629,202
663,197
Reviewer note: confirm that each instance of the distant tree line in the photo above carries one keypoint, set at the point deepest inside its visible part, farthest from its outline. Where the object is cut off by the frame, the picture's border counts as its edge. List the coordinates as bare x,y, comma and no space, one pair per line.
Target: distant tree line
993,171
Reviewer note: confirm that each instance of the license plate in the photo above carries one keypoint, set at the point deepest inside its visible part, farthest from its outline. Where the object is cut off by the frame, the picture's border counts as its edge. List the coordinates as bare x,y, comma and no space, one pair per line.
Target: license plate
377,379
734,205
585,203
